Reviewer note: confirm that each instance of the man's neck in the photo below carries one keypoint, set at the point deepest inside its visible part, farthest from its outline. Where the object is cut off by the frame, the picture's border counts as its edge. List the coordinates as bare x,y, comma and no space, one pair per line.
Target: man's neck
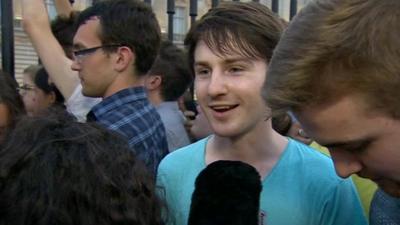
154,98
122,82
260,148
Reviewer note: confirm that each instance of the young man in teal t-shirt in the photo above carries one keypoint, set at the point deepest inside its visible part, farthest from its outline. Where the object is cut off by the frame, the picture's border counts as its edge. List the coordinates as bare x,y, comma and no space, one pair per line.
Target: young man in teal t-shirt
229,51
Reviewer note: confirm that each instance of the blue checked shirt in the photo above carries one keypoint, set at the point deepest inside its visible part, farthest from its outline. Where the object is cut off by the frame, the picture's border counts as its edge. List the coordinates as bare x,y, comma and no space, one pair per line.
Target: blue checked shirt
130,113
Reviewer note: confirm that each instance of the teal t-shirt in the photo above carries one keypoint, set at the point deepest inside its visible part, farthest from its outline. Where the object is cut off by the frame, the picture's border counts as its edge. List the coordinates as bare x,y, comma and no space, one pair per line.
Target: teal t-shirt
301,189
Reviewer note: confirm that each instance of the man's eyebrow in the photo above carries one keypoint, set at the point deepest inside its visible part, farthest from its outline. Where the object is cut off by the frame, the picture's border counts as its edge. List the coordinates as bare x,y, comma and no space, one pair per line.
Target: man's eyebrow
241,59
227,61
349,144
200,63
77,46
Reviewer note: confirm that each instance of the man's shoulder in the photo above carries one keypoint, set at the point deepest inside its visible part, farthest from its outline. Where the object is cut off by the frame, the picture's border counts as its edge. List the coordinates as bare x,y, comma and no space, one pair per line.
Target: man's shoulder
385,209
79,105
179,169
130,113
308,153
311,163
124,106
170,113
184,157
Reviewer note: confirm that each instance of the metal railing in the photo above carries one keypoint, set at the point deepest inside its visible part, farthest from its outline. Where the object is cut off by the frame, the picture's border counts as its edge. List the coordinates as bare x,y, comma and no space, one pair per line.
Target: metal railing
7,31
7,37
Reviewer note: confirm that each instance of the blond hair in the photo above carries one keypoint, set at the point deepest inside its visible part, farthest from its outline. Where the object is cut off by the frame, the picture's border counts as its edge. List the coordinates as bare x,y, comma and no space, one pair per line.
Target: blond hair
334,48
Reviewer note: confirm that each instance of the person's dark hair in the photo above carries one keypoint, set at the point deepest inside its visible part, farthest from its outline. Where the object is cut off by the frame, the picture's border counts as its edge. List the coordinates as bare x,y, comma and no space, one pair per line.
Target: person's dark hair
9,96
249,29
64,30
226,193
129,23
54,170
31,71
42,82
281,123
175,74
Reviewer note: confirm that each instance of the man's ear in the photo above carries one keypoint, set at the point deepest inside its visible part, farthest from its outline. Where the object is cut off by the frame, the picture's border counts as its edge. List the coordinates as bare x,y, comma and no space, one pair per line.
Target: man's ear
125,58
153,82
51,98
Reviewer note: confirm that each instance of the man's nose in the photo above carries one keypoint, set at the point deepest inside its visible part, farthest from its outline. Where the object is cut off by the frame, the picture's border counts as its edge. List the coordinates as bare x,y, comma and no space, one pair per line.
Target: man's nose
346,163
217,85
75,66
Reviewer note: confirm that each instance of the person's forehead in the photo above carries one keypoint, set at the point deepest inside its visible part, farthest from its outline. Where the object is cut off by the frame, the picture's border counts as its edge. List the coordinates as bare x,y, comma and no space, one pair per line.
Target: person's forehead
87,32
27,78
202,50
348,118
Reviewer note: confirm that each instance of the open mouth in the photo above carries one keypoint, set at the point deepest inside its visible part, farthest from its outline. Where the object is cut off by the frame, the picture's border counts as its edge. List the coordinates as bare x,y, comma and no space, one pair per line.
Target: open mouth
223,108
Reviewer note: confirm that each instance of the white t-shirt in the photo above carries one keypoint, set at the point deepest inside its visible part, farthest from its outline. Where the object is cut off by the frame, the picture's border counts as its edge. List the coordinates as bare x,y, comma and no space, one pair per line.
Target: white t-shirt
79,105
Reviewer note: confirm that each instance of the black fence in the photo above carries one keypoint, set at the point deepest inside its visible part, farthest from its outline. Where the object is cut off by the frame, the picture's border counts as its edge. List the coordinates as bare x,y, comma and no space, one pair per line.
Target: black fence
7,29
7,36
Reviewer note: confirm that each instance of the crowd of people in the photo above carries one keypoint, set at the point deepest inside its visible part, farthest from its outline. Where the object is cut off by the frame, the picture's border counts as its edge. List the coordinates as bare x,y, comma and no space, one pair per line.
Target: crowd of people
255,121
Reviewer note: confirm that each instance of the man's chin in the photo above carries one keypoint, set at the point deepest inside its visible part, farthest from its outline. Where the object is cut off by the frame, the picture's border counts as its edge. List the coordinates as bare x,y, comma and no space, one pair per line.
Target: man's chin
88,93
390,188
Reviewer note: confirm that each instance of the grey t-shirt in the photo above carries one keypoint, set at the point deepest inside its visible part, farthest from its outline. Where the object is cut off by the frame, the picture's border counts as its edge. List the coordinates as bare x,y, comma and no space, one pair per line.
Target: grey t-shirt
173,121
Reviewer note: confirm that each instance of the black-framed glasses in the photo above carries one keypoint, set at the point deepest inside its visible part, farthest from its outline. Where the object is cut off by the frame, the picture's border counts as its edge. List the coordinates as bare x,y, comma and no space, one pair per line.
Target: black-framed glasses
26,87
80,54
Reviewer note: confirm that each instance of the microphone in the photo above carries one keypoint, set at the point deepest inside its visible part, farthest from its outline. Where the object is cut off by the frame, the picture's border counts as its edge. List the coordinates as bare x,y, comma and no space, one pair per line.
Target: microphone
226,193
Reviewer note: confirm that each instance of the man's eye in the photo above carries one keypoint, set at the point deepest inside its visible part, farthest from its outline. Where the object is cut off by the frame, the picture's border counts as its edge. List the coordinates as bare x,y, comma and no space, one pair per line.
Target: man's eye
236,70
80,52
202,71
352,148
355,149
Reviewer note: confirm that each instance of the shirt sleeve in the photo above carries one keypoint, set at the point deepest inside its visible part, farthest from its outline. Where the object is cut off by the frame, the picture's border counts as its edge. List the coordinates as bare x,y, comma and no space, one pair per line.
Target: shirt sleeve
165,194
343,206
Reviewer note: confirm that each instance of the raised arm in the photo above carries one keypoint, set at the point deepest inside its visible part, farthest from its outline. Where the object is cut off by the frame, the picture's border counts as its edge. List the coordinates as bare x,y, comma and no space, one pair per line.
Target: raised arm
37,26
63,7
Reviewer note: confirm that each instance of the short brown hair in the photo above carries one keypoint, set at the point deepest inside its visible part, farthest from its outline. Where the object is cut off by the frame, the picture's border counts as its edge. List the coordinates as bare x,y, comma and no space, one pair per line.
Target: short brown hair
64,30
171,66
334,48
130,23
248,29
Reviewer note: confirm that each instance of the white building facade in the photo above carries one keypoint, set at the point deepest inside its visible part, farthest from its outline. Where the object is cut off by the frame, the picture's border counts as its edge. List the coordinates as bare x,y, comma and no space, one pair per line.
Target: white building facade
25,54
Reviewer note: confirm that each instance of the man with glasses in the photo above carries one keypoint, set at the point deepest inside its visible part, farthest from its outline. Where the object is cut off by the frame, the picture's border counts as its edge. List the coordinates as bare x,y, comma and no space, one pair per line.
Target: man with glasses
115,45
